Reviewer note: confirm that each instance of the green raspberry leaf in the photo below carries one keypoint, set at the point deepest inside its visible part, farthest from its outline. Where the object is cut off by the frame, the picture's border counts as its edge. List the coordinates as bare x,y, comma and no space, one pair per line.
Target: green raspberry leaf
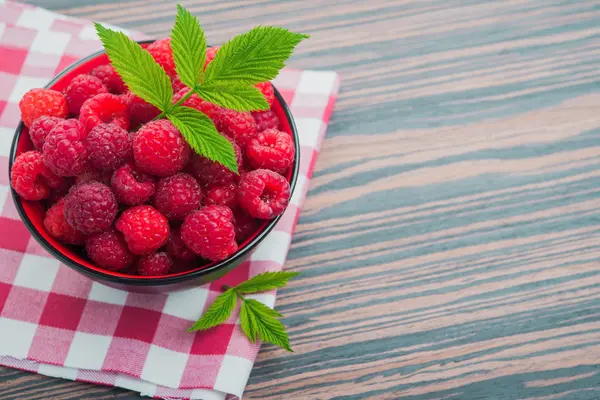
248,323
234,97
268,328
189,47
200,132
253,57
142,75
217,313
266,281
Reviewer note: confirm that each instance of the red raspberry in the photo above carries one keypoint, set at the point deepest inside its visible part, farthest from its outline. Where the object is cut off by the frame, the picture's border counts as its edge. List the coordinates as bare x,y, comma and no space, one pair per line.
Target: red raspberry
40,128
211,52
209,233
140,110
245,225
90,207
109,250
110,78
40,102
271,149
210,109
177,195
237,125
31,178
176,248
265,120
108,146
267,90
105,108
65,152
263,193
163,55
130,186
159,149
145,229
177,84
224,195
93,175
210,173
57,226
155,264
82,88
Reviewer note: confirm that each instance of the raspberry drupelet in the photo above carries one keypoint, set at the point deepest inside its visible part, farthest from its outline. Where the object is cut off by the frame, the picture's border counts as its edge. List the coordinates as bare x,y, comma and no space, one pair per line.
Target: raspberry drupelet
110,78
265,120
210,173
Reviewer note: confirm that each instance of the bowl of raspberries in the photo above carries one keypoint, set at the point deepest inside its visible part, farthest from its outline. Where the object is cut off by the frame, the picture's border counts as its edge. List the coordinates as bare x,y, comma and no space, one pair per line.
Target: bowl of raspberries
117,194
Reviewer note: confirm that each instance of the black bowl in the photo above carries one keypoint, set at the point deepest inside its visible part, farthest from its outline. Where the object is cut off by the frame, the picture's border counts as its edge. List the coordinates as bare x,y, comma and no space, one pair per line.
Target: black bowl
32,212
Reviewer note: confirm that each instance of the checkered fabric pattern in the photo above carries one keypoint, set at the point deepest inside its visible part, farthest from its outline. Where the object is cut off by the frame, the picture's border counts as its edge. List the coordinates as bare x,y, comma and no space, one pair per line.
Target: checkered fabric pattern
56,322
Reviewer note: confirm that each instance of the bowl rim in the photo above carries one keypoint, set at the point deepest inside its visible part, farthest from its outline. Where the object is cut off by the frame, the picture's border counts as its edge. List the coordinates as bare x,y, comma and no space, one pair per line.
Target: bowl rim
150,281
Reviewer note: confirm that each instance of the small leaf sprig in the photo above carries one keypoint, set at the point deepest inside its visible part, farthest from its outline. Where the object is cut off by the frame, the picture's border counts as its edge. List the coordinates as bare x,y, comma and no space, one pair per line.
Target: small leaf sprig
228,81
258,321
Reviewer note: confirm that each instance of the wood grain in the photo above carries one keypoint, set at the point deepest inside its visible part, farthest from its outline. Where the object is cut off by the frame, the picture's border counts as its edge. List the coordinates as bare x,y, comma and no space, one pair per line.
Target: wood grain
450,242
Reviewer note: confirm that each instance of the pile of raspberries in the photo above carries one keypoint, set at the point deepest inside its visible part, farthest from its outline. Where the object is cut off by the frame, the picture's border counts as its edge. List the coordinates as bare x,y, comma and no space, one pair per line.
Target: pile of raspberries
129,188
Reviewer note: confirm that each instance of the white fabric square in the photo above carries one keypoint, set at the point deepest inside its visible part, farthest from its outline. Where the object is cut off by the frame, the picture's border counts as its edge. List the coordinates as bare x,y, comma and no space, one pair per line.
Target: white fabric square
37,272
37,19
50,42
15,337
233,375
87,351
273,248
4,190
298,195
164,367
187,304
88,32
2,26
309,130
23,84
316,82
57,371
6,137
107,294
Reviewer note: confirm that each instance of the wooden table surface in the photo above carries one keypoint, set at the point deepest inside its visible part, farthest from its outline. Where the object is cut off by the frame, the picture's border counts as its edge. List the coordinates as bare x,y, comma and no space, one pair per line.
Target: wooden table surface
450,242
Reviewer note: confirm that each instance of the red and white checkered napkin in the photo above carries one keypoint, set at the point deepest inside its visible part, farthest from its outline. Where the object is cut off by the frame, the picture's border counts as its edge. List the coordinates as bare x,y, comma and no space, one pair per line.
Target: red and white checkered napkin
57,322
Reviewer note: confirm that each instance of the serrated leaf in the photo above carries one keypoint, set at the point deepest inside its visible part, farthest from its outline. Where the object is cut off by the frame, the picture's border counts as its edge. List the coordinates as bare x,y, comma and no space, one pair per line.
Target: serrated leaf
253,57
248,323
188,43
200,132
142,75
266,281
268,328
234,97
217,313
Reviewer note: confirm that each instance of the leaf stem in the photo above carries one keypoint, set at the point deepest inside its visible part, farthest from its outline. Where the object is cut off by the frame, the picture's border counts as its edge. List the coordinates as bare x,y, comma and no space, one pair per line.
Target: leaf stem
177,104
